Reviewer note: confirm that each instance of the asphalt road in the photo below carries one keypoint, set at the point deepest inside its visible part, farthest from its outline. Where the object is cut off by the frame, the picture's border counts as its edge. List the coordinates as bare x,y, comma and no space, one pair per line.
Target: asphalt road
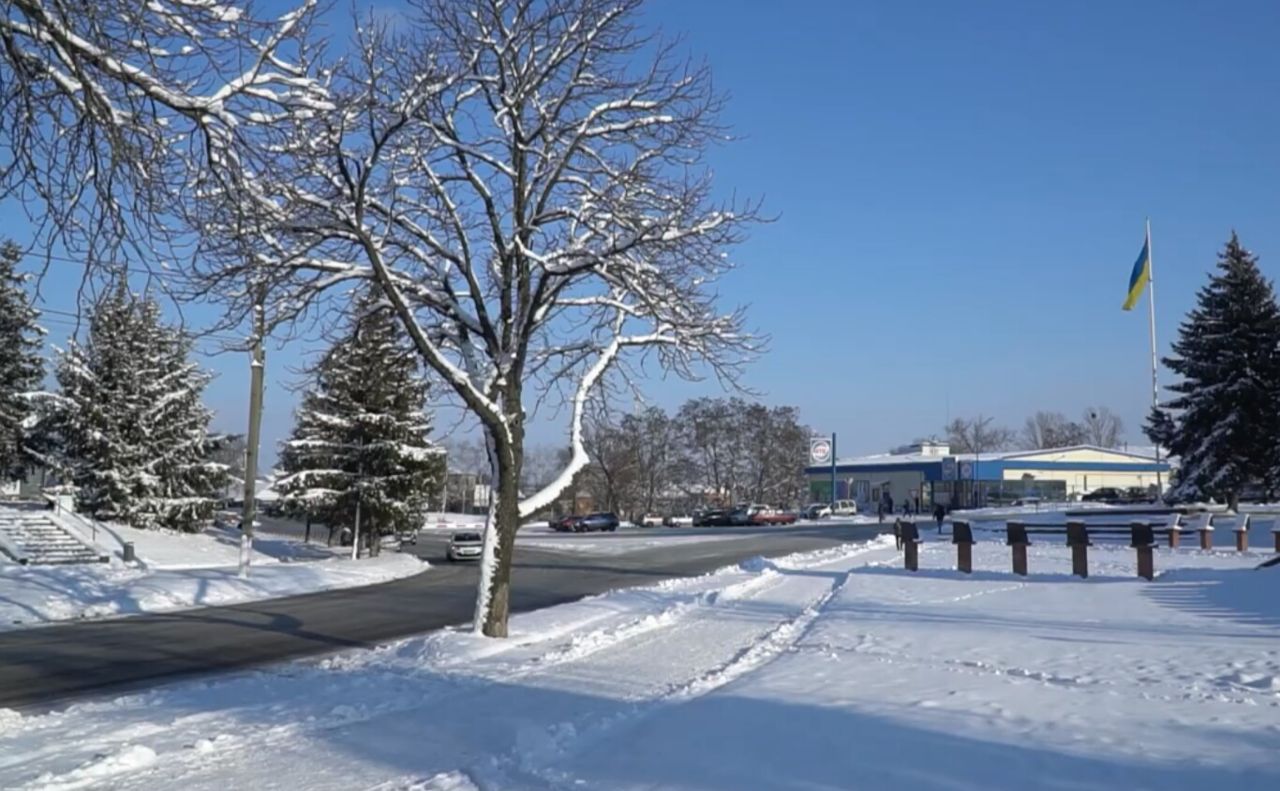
49,665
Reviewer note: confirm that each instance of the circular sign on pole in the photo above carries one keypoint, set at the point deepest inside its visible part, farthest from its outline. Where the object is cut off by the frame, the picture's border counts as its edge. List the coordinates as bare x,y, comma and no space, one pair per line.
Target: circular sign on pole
819,450
966,470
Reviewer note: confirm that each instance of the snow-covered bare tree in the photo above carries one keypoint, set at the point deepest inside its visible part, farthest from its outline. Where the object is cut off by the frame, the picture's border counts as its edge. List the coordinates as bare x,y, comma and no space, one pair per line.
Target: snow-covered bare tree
525,182
21,366
111,109
361,442
134,431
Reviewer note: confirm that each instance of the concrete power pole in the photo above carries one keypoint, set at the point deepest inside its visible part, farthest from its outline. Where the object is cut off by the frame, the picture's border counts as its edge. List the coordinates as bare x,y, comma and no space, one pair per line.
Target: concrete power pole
258,359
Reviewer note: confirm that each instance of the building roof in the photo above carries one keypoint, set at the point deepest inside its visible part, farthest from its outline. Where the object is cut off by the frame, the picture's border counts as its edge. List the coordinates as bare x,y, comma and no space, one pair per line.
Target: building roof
1134,459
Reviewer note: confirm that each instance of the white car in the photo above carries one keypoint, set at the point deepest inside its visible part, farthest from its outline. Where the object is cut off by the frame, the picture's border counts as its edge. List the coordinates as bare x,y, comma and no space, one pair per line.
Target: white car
649,520
465,546
678,521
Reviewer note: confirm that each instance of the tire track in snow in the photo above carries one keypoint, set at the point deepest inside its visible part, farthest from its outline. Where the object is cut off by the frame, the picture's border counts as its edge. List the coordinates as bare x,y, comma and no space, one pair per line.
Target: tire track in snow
566,739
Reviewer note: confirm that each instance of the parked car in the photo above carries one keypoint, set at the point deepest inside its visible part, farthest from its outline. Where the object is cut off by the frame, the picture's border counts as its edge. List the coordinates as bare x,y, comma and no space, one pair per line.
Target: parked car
649,520
713,517
1105,494
772,516
817,511
602,521
678,521
845,508
465,546
564,524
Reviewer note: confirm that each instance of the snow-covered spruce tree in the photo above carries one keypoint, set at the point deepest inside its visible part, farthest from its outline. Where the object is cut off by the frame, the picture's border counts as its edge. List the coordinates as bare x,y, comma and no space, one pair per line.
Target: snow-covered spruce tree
361,434
1226,416
134,431
21,367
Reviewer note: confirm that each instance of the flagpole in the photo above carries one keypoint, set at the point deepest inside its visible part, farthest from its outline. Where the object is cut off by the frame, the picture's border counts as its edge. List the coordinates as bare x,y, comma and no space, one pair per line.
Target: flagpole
1155,387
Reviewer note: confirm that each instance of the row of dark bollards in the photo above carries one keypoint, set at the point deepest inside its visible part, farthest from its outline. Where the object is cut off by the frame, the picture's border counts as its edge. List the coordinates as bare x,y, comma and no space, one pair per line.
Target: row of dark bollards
1142,539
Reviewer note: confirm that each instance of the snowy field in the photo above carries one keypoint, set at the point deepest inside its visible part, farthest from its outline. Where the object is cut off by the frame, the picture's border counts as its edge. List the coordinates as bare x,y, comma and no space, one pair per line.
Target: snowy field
177,571
827,670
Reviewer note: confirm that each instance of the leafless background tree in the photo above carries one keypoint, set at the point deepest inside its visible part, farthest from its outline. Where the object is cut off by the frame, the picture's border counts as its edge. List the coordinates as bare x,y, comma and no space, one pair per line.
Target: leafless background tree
977,435
711,451
1102,427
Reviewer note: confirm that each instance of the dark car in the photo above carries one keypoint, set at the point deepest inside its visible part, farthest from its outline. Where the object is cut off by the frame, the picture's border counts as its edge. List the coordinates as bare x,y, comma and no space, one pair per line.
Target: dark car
713,517
1106,494
602,521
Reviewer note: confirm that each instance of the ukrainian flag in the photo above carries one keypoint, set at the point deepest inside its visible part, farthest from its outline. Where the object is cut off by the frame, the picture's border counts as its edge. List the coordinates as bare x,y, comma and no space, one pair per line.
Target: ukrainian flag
1140,276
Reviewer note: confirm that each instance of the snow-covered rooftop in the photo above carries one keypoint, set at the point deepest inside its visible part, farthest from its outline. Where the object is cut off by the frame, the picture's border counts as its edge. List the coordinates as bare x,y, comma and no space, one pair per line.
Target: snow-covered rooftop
1143,454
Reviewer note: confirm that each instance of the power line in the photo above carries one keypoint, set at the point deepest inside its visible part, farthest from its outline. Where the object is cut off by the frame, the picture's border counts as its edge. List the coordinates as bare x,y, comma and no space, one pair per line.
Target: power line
195,336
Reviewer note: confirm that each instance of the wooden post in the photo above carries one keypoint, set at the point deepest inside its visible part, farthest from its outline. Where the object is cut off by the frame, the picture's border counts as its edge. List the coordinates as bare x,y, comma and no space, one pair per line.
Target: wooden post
1016,538
1078,540
1275,535
1242,533
1206,535
910,543
1175,532
962,537
1142,539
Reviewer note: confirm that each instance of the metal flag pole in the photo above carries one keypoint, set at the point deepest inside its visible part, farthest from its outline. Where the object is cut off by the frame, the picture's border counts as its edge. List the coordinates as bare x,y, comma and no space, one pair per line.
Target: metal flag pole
833,472
1155,386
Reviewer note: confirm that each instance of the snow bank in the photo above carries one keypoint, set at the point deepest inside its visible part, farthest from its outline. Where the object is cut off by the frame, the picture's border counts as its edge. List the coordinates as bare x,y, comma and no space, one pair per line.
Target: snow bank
831,669
35,595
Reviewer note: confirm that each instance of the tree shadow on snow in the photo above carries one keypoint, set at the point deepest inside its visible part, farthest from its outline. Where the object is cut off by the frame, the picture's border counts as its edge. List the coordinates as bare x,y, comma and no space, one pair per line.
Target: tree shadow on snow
414,724
1245,596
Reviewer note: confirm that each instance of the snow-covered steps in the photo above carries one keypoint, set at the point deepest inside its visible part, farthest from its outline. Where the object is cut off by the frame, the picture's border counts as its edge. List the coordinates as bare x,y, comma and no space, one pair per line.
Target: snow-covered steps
33,538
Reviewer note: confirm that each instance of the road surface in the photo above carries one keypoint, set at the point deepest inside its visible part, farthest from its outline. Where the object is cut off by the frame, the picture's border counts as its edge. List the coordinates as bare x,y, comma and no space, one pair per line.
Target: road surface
44,666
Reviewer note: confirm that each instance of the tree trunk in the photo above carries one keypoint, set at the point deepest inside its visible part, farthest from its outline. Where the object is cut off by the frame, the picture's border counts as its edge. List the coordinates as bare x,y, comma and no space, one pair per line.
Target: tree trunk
509,460
1233,502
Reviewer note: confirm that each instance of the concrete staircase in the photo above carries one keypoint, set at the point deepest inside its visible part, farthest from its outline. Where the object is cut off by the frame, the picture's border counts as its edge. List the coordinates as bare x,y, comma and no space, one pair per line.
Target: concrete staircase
36,538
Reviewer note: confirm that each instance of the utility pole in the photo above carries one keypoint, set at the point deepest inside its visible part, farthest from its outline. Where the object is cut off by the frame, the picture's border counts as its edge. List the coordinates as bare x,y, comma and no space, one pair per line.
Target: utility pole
355,538
258,361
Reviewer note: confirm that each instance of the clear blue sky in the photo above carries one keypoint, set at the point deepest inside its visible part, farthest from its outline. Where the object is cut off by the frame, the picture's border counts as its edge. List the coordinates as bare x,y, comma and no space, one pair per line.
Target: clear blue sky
960,191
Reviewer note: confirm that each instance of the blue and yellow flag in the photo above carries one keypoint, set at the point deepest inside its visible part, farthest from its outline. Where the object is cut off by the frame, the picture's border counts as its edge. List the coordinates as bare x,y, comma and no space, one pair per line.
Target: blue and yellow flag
1140,276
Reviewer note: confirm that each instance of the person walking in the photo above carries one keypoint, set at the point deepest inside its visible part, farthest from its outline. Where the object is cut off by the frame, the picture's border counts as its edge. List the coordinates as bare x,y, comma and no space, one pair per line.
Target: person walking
939,513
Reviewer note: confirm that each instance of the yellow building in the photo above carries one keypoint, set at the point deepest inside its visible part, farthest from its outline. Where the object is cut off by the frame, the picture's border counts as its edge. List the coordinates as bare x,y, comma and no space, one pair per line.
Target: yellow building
929,473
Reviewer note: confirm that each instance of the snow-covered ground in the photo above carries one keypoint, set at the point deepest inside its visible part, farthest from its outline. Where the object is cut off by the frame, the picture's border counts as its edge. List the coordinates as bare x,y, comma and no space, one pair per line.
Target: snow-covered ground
177,571
828,670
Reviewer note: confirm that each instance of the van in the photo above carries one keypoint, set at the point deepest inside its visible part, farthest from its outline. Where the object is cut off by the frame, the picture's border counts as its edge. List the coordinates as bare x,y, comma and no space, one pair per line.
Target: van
845,508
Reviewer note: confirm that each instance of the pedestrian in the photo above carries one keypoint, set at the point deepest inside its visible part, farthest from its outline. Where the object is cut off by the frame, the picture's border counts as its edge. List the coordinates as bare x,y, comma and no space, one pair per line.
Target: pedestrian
939,513
880,511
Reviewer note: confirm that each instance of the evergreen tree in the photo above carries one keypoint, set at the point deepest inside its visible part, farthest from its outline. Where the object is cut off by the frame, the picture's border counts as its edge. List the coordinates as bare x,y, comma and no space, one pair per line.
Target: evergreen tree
21,368
361,434
1227,417
134,432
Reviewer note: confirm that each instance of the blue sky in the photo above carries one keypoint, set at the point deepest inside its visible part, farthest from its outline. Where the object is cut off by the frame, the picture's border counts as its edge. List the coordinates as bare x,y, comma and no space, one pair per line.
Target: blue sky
960,192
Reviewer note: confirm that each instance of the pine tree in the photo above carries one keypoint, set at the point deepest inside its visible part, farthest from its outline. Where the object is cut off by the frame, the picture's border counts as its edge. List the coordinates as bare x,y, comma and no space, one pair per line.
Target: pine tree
361,434
21,368
1226,416
134,432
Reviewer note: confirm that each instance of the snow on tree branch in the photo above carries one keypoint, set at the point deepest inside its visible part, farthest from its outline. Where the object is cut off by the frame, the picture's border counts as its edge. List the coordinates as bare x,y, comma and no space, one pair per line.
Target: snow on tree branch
114,109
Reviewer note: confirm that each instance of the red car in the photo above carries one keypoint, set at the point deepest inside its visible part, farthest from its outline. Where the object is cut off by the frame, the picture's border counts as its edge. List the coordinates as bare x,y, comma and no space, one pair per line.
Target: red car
772,516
